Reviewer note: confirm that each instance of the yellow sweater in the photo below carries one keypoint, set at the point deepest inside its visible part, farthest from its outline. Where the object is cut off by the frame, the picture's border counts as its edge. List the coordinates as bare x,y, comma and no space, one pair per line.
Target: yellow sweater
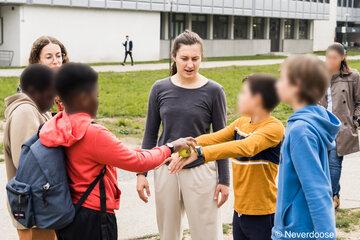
256,148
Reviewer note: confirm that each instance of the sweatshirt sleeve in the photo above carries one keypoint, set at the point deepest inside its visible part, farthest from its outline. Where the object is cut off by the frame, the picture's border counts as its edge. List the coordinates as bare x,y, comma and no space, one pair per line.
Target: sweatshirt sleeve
153,121
24,124
266,137
109,150
224,135
314,182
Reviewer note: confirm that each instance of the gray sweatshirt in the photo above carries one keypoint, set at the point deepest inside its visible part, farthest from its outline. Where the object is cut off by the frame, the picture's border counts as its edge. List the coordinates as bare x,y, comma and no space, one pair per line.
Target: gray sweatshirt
185,112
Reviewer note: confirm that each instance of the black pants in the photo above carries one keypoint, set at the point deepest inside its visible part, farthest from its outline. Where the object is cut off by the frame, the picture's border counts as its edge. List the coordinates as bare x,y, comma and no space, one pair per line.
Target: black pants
130,54
86,225
252,227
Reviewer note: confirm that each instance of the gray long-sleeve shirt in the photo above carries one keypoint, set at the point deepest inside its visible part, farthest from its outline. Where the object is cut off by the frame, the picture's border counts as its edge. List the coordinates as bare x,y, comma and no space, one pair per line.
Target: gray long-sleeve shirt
185,112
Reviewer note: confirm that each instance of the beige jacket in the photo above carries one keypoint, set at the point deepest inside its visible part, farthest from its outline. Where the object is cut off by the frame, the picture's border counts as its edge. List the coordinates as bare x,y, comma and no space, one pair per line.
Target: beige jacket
345,95
23,119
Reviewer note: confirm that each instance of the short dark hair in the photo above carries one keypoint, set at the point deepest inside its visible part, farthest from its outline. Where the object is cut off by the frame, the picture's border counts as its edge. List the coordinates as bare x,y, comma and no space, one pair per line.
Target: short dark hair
74,78
38,77
265,85
310,74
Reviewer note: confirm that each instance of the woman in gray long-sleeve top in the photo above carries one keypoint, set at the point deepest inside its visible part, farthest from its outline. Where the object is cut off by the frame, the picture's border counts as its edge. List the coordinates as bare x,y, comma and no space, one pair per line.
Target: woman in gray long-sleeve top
186,104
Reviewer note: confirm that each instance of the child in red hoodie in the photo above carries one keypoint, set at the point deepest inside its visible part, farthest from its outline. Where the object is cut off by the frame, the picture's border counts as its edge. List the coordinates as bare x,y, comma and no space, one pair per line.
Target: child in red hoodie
89,147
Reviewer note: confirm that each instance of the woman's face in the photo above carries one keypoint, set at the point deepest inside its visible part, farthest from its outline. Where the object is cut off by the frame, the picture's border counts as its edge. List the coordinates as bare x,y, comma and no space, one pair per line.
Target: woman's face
333,60
188,60
51,56
286,91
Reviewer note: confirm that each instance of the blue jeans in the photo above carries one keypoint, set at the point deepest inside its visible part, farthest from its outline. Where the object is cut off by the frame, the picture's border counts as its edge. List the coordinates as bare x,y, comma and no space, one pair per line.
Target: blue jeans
335,164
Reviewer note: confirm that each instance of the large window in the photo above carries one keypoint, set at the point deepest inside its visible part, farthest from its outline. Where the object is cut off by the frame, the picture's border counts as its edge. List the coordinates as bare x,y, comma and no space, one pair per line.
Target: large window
221,27
258,28
289,26
241,27
199,25
304,29
356,3
162,26
178,24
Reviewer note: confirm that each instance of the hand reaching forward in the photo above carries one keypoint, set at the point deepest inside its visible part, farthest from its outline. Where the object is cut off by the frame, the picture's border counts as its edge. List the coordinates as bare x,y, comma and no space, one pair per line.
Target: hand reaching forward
187,143
177,163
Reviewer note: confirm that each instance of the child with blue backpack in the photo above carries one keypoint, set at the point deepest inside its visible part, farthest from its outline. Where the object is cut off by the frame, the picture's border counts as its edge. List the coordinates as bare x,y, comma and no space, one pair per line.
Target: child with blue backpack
304,204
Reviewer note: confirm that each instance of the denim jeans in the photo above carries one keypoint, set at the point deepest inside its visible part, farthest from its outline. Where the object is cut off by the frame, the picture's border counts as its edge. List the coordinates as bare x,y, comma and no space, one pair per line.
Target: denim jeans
335,164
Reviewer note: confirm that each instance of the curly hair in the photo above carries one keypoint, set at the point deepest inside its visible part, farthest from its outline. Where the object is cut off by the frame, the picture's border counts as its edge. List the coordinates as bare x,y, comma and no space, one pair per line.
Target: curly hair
40,43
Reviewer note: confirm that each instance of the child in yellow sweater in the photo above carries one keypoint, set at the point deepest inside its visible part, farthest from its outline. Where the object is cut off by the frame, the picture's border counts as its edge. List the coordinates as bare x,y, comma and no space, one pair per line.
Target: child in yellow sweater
253,141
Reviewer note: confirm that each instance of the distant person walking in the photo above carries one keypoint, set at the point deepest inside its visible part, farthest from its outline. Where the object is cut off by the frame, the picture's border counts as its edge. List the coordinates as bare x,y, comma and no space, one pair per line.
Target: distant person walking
128,45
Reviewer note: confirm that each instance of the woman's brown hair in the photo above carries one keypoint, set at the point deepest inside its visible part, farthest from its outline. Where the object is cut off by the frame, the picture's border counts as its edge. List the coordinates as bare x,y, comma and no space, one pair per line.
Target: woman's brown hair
340,49
310,74
185,38
40,43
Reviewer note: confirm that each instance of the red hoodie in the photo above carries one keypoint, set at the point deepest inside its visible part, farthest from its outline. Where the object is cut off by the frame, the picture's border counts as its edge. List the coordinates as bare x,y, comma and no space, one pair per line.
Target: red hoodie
90,146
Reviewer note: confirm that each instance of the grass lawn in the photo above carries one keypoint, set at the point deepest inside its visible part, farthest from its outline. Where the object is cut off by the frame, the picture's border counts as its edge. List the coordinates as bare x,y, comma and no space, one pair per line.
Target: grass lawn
351,52
209,59
123,96
347,220
232,58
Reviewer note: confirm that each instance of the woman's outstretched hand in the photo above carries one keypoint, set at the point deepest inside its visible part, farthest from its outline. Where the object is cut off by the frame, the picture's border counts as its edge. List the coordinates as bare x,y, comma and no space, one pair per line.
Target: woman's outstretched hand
187,143
177,163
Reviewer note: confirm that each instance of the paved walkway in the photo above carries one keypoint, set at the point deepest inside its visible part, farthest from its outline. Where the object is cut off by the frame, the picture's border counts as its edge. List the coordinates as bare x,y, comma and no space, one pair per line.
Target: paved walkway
133,213
162,66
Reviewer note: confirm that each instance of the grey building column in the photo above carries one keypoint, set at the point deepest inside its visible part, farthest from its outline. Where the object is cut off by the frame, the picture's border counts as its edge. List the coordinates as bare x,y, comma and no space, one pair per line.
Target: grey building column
296,30
165,20
282,34
231,27
267,28
210,27
188,22
311,29
250,28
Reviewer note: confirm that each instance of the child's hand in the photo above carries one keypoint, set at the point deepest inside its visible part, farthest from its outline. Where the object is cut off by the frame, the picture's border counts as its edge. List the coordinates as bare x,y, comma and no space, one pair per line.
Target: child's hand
177,163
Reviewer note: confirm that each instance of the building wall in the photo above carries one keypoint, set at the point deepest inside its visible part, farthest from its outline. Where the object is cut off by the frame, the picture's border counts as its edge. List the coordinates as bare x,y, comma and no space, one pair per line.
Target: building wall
224,48
92,35
324,30
297,45
263,8
11,31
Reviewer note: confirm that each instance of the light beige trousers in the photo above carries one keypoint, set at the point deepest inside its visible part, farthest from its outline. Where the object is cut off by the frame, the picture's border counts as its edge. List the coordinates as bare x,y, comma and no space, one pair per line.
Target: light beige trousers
191,191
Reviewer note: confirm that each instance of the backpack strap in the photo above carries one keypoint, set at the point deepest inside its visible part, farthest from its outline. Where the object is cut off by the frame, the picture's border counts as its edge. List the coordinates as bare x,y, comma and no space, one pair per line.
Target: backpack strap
103,219
89,190
39,129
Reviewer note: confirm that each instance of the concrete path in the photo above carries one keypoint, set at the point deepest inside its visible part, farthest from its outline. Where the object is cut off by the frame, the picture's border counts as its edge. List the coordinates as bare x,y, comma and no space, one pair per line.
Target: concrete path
137,219
162,66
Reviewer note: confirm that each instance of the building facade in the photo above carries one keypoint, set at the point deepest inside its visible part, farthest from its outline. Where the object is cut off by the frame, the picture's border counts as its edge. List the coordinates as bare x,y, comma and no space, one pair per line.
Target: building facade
348,22
93,30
